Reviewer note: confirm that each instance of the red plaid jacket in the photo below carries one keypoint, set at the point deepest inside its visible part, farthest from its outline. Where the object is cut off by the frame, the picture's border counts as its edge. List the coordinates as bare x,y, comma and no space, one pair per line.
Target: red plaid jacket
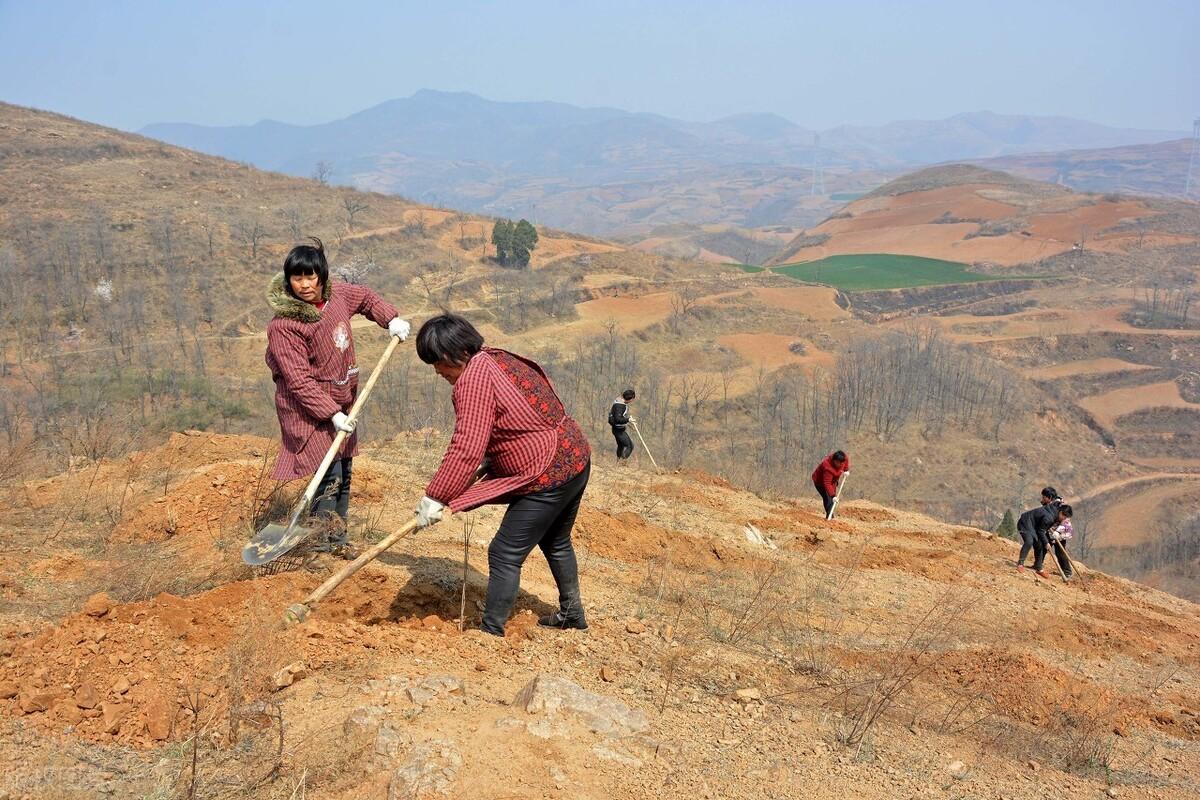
311,356
507,410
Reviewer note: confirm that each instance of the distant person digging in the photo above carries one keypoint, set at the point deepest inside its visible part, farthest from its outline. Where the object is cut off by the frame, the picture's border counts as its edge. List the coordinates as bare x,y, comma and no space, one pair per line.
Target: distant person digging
310,351
618,420
1035,526
827,477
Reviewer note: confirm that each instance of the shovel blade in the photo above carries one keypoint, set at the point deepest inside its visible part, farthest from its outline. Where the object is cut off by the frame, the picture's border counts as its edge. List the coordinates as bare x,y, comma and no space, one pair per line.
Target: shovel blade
272,542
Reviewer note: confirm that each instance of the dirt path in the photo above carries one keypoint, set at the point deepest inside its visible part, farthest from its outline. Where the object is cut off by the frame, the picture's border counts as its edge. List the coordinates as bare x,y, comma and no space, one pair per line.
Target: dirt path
1136,520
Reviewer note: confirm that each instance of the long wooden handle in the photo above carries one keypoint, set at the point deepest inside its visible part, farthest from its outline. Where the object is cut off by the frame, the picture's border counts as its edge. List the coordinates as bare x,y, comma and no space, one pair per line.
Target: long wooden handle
837,497
311,490
354,566
638,431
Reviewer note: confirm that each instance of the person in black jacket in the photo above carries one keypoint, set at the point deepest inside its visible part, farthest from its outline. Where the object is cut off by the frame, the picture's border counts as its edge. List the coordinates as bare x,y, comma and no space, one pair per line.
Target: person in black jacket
1034,526
618,419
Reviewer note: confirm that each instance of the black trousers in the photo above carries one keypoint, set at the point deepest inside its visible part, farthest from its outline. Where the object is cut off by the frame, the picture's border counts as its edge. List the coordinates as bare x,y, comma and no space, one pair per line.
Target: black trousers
333,494
826,498
1029,540
624,443
543,519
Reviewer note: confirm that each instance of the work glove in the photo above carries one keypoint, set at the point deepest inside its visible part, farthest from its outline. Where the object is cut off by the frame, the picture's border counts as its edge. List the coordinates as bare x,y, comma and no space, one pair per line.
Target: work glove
399,328
429,511
343,423
633,420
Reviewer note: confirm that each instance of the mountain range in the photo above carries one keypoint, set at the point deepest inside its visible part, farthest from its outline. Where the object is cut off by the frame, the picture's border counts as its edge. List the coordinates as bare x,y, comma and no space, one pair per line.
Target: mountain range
550,160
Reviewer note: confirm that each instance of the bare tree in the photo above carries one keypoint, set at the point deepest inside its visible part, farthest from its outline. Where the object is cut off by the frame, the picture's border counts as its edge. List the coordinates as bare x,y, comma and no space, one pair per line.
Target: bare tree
294,221
322,171
352,206
250,233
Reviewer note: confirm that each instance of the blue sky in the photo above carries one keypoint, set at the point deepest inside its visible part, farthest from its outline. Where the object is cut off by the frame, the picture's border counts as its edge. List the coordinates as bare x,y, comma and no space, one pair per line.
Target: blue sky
126,64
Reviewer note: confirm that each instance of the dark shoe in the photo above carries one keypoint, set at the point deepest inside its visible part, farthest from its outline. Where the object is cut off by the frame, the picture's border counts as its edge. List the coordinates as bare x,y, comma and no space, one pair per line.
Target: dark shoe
562,622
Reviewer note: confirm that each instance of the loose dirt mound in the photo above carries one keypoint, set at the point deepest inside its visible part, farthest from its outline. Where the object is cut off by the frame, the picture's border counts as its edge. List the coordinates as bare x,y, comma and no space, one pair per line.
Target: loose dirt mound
627,537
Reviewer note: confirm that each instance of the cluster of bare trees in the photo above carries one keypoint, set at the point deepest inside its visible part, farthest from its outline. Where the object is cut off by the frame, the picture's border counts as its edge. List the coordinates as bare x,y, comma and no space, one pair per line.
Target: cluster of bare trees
1165,307
522,299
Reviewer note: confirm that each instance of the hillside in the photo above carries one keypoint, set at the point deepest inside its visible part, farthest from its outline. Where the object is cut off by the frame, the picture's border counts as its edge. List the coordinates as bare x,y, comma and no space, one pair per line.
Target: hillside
975,216
1088,295
884,654
1158,168
139,323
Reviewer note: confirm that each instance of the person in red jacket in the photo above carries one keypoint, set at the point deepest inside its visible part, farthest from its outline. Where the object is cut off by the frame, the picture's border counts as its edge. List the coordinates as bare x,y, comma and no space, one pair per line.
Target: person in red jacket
508,416
827,474
310,351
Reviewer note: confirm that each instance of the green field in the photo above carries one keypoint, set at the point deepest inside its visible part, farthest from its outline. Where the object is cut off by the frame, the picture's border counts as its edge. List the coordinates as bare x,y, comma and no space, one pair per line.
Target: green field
746,267
864,273
845,197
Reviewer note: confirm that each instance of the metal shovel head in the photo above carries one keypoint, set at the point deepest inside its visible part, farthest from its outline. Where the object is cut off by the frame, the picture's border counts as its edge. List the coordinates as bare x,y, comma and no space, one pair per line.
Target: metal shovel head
273,541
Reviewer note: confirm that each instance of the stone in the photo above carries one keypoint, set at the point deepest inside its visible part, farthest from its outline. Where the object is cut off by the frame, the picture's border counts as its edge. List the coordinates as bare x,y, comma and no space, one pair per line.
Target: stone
481,666
431,769
958,770
86,696
389,742
113,714
8,690
1033,765
427,689
750,694
1111,791
607,674
120,685
159,718
635,626
33,700
551,695
67,712
98,605
289,675
363,723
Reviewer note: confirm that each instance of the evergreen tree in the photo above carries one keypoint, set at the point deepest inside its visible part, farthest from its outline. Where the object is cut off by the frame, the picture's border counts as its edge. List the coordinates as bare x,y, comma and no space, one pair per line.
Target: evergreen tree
502,240
524,240
1008,526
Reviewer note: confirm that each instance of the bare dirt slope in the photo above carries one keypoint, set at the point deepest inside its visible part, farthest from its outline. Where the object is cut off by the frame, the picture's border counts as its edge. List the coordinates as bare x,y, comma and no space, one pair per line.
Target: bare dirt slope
976,216
883,654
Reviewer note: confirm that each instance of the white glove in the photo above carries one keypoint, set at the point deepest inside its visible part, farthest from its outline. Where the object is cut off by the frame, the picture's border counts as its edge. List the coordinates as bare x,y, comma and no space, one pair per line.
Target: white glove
343,423
429,511
633,420
399,328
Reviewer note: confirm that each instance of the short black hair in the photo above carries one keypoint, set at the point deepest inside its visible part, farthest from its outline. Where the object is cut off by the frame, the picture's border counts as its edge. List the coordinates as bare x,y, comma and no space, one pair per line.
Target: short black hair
1065,510
1051,493
628,395
305,259
839,455
449,338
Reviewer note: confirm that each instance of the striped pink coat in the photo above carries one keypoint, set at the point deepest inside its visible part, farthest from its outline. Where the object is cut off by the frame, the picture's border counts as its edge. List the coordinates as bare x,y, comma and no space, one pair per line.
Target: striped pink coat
311,355
507,410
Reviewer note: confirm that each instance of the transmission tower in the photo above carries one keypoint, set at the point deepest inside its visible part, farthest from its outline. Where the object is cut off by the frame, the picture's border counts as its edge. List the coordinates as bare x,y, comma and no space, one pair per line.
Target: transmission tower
818,175
1193,173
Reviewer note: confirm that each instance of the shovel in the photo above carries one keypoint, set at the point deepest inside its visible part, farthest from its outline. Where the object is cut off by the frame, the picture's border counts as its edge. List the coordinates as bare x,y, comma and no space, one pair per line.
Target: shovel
643,441
837,497
298,612
274,540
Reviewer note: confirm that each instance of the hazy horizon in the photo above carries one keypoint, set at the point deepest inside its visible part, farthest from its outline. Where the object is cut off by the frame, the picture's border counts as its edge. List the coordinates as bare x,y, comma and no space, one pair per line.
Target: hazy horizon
129,64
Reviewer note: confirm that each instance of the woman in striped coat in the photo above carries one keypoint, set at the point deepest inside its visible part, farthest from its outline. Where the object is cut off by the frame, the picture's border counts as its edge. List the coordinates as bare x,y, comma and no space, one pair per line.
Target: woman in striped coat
508,416
310,351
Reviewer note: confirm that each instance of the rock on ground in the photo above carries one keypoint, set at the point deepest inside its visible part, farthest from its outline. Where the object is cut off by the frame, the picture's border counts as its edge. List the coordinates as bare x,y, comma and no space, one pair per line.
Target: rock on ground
551,695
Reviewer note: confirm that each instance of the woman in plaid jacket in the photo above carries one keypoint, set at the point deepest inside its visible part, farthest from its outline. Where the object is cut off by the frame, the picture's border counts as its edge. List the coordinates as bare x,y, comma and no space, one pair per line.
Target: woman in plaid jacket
508,416
310,351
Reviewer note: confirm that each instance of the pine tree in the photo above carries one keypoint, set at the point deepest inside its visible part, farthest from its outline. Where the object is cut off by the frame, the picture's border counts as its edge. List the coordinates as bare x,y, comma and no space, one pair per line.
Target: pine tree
502,239
524,240
1008,526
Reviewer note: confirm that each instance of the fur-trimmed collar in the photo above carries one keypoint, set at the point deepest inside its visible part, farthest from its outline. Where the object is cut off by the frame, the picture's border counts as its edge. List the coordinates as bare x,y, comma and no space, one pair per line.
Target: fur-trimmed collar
288,307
